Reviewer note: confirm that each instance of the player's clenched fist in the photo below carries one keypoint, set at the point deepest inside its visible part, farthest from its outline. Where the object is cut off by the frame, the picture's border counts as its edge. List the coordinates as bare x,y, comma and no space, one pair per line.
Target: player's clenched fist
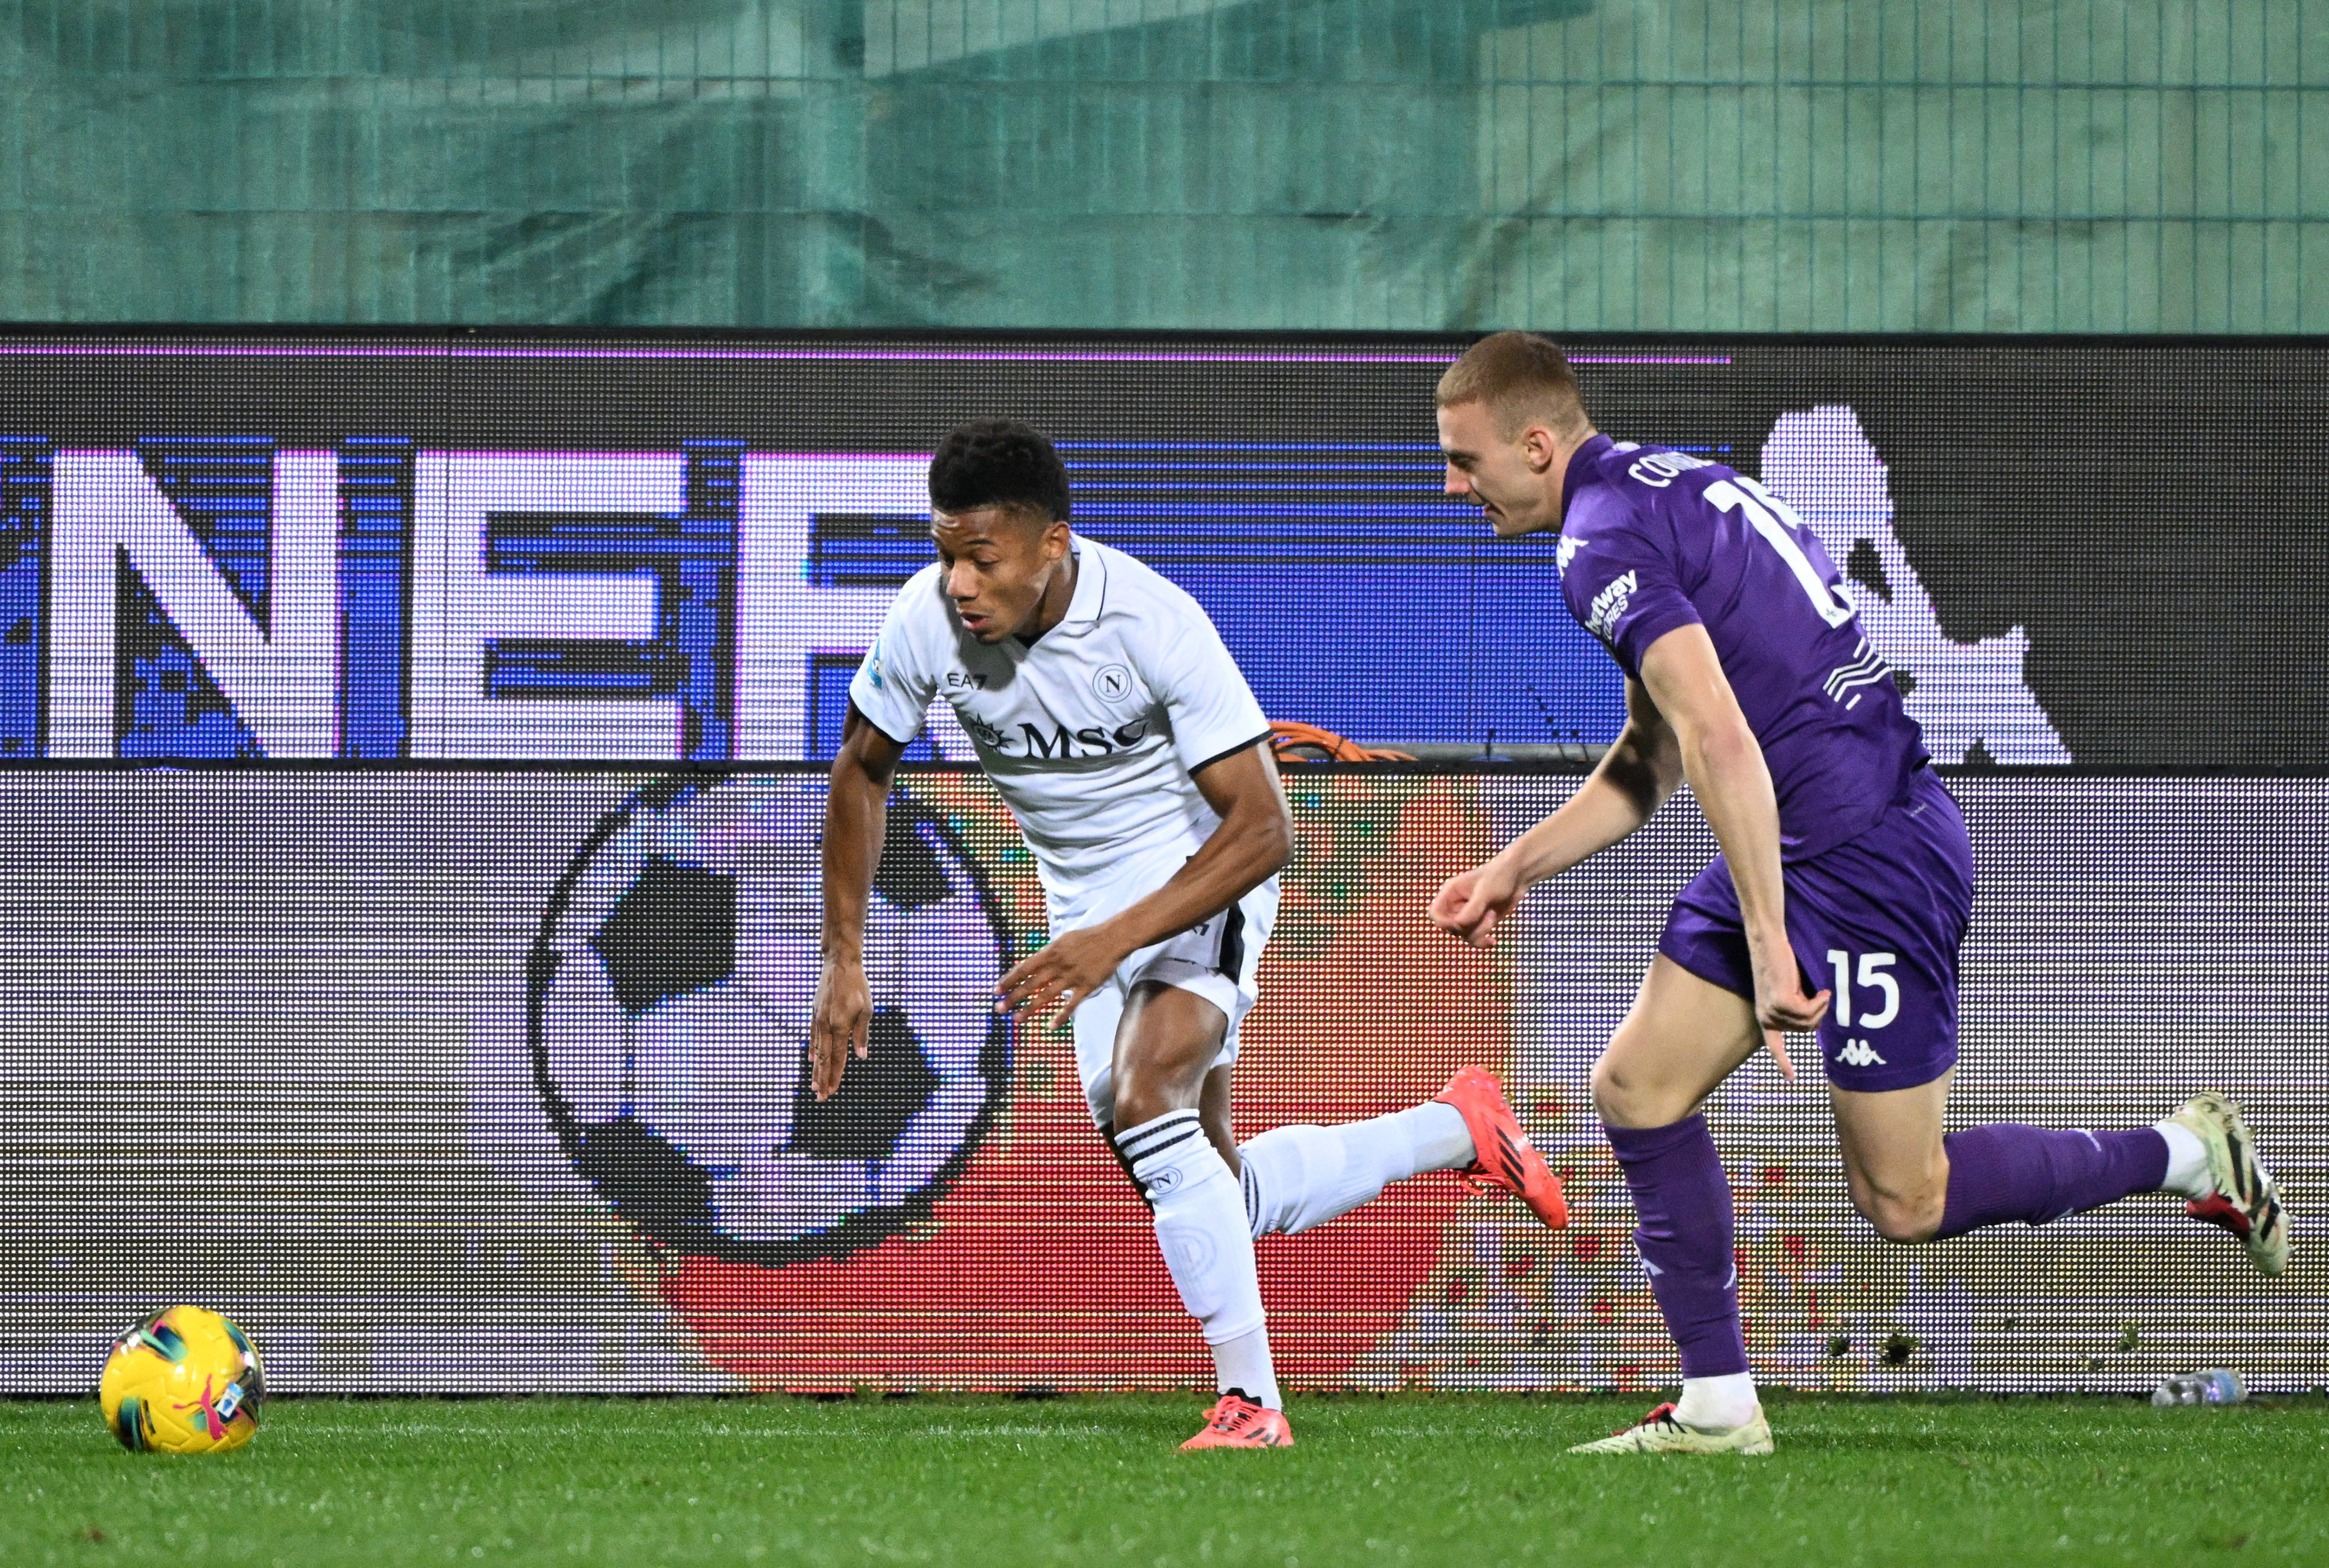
1472,903
844,1009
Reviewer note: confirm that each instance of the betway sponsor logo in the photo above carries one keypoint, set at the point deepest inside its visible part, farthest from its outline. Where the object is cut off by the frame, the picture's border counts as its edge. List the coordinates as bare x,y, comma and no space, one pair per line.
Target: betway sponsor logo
1609,603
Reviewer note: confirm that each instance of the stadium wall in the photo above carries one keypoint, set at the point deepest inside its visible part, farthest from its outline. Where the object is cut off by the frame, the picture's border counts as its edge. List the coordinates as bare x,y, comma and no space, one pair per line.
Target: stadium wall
1574,165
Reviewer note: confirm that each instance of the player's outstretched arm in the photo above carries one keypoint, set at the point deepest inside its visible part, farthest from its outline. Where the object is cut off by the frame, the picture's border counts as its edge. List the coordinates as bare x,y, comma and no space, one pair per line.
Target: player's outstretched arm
1724,764
1253,842
1636,775
857,814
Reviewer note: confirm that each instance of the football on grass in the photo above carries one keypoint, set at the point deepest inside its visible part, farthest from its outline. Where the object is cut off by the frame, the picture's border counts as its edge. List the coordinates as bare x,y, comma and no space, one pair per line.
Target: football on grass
186,1381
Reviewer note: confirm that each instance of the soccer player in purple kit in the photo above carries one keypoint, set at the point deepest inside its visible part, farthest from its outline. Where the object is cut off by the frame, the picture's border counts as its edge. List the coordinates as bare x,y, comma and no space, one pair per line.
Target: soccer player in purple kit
1842,857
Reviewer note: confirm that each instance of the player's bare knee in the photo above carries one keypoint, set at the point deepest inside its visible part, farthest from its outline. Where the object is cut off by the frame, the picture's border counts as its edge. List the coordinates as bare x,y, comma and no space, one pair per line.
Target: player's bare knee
1620,1102
1140,1100
1610,1091
1907,1220
1143,1095
1622,1099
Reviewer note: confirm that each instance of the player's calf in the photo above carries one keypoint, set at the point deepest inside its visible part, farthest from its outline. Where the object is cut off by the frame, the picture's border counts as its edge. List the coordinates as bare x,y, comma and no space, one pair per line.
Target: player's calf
2204,1153
2005,1172
1201,1228
1298,1176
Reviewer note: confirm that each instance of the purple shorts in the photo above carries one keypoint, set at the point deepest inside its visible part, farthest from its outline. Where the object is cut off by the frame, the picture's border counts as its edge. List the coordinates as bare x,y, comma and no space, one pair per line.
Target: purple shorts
1877,920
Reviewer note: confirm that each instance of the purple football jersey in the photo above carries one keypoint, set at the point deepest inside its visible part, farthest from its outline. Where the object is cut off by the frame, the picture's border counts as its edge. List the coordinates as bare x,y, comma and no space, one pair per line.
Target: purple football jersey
1653,540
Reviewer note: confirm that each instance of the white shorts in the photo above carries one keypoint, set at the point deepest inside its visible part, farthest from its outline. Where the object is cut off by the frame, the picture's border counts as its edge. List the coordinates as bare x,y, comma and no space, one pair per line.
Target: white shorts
1216,958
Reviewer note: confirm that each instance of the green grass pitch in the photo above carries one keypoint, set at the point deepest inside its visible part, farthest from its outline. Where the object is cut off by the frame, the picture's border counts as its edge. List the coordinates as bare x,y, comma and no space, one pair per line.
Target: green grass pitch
1411,1479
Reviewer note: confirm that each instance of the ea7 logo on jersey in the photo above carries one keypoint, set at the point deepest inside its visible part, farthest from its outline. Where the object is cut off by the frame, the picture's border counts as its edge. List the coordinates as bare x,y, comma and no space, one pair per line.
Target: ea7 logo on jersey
1609,603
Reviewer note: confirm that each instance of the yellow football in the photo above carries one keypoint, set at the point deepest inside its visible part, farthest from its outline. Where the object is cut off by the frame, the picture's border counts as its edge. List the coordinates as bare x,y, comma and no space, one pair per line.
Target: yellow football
185,1382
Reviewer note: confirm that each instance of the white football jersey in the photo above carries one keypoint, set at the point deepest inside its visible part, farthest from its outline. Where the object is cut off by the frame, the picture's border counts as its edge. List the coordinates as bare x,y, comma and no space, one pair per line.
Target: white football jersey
1091,733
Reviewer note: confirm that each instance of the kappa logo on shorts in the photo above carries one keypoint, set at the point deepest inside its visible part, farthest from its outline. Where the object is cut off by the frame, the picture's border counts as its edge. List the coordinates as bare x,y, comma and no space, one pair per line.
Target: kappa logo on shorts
1859,1054
1113,682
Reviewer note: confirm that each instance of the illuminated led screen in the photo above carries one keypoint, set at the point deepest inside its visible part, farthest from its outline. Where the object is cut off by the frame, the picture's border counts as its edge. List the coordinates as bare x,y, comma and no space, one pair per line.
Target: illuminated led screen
376,547
491,1080
411,857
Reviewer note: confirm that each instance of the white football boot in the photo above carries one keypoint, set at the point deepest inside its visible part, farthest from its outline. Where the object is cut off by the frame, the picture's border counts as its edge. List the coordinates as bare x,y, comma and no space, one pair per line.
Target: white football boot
2246,1200
1660,1432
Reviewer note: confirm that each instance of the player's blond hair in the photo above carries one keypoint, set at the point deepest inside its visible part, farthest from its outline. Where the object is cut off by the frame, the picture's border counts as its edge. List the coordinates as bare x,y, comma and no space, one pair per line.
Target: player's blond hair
1523,378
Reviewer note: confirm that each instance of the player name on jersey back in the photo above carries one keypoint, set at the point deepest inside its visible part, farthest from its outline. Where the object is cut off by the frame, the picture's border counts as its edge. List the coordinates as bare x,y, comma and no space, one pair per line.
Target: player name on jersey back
1652,541
1092,733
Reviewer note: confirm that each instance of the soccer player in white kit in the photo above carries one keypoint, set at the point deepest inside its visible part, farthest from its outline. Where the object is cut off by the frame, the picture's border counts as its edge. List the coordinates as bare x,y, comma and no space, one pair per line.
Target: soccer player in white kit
1121,734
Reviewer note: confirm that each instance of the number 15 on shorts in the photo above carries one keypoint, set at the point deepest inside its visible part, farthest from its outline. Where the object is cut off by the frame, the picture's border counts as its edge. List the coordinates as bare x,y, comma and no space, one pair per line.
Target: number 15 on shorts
1873,977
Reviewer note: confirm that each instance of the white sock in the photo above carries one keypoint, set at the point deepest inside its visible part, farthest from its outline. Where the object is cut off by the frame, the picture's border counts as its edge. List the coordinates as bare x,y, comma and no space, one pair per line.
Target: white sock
1298,1176
2187,1162
1200,1227
1717,1401
1242,1364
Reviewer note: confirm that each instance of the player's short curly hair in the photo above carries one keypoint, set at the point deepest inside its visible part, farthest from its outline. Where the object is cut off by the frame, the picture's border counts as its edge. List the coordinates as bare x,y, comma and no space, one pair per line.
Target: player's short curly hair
999,462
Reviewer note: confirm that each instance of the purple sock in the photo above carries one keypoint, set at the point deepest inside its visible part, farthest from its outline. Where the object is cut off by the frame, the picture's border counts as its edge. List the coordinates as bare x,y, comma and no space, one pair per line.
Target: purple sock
1683,1202
2007,1171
